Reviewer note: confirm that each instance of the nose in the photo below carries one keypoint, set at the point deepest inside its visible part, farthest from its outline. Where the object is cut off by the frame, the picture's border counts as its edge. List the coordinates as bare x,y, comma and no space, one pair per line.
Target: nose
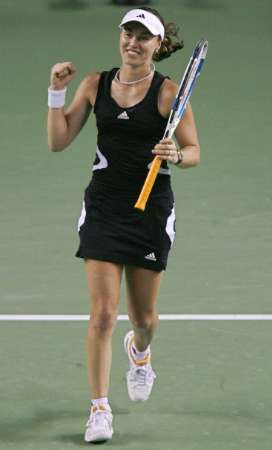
133,41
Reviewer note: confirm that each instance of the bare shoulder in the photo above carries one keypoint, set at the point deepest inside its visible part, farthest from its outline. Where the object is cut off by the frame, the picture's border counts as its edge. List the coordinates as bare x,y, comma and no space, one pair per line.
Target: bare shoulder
167,93
89,86
92,79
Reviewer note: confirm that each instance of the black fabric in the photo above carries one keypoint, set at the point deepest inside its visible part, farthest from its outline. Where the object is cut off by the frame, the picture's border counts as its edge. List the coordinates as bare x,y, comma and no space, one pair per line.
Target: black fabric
127,143
115,231
110,228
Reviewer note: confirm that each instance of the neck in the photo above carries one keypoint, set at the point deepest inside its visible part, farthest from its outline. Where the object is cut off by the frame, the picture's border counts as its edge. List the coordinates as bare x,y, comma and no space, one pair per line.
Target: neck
134,74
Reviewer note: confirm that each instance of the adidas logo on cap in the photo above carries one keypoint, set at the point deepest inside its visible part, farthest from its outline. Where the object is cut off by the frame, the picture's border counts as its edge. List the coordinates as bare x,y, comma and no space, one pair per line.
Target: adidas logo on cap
151,257
123,115
142,16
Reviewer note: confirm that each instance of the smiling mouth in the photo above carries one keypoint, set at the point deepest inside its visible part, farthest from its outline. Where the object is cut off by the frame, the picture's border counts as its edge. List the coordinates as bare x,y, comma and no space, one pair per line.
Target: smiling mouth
133,51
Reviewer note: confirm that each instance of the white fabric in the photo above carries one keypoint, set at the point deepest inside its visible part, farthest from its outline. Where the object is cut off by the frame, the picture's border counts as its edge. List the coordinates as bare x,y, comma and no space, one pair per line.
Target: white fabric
103,162
140,355
140,378
56,99
101,401
170,226
140,381
149,20
99,426
82,217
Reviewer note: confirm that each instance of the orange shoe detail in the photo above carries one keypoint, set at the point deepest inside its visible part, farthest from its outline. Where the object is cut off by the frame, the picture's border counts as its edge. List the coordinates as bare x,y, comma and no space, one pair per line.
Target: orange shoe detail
138,362
98,407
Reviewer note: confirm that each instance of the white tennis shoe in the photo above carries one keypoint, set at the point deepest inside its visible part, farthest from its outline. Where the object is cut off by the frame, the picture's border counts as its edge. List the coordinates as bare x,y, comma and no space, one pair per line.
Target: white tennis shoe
140,376
99,424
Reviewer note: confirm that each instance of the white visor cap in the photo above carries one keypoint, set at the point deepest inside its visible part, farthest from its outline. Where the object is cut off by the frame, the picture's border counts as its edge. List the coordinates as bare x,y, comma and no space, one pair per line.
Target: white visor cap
149,20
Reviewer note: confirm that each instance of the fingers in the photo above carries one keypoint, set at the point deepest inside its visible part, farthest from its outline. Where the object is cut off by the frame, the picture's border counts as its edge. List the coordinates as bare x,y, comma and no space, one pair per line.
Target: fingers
168,141
171,156
166,150
62,74
165,144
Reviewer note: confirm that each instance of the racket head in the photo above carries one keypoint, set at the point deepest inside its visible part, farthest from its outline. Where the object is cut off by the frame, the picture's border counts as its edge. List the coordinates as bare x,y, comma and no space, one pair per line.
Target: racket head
201,49
186,86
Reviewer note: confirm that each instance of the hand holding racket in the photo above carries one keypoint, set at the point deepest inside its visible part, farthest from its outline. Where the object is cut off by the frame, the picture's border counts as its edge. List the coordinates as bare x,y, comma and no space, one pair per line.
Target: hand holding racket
166,150
184,92
61,75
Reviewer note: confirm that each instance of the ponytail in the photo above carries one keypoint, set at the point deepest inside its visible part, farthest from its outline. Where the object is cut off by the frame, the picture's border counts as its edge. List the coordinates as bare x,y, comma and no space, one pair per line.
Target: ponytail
171,42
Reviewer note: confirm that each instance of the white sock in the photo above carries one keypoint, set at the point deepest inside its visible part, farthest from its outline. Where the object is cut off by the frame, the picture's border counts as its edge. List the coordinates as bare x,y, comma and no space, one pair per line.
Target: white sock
103,401
140,355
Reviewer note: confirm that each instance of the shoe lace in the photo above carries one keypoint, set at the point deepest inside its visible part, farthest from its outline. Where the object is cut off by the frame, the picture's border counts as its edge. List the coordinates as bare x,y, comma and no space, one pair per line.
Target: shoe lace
141,374
98,417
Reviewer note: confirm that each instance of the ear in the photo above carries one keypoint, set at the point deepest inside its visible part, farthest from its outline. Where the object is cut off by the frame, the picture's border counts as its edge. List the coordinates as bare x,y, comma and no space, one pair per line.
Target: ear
159,47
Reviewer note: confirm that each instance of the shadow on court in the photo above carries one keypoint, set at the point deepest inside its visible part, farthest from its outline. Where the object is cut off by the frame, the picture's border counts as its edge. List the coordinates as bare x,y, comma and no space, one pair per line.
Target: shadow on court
26,428
120,439
76,438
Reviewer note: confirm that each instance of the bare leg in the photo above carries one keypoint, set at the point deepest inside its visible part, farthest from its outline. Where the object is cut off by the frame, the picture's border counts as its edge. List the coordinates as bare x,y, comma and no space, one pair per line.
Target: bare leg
104,281
142,291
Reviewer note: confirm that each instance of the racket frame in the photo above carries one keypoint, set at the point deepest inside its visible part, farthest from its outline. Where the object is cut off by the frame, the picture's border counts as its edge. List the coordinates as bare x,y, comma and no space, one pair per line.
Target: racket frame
184,92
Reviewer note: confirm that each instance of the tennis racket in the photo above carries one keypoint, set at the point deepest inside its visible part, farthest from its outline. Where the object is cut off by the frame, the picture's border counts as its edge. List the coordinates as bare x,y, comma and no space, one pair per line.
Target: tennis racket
184,92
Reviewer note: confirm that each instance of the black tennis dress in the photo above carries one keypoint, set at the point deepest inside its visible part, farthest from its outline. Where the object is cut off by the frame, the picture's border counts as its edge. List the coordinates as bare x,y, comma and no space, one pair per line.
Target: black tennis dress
110,228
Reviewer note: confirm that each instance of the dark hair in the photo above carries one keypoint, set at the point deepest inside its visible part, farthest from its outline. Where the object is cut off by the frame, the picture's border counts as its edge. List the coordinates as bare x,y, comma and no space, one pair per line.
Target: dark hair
171,42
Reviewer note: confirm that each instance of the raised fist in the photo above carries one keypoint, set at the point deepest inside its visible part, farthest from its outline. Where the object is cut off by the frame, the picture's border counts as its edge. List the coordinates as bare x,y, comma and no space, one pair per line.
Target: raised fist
61,75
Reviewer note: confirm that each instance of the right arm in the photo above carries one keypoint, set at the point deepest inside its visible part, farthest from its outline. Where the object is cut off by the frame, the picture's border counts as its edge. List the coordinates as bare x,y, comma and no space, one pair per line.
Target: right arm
64,125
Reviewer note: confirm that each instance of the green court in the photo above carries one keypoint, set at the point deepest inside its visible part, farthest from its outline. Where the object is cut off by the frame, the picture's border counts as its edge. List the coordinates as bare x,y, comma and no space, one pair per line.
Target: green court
214,377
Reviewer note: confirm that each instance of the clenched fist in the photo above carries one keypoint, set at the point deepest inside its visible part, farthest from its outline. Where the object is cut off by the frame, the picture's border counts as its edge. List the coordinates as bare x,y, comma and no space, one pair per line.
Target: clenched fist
61,75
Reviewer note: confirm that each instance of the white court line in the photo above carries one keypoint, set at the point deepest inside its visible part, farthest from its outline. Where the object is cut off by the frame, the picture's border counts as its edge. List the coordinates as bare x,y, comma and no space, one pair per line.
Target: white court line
82,318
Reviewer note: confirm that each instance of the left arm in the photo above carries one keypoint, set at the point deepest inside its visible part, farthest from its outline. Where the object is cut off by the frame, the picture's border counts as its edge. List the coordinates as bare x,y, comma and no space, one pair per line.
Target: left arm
185,134
187,139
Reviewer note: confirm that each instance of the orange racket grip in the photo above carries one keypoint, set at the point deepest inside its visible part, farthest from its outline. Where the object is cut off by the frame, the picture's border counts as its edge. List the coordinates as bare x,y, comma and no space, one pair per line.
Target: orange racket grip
148,184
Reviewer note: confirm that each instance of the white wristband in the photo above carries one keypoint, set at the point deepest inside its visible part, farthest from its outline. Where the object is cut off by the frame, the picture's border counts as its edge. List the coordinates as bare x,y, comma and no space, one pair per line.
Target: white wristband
56,99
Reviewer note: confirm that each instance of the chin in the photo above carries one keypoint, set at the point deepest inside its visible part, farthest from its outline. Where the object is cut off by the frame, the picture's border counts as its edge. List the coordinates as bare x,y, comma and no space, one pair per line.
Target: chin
132,59
131,56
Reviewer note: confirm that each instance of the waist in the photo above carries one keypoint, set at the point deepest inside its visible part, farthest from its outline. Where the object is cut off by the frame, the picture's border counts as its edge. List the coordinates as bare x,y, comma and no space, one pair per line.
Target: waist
128,187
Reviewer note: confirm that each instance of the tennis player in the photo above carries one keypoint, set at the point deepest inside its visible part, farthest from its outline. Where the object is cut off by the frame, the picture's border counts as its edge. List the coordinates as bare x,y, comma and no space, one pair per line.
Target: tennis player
131,105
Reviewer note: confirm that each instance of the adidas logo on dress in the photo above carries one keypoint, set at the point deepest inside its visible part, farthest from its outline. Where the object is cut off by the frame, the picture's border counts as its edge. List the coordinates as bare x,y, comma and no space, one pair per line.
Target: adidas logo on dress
151,257
123,115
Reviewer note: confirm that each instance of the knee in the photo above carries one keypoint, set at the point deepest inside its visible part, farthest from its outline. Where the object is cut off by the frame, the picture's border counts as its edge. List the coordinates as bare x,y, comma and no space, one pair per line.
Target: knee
145,321
103,322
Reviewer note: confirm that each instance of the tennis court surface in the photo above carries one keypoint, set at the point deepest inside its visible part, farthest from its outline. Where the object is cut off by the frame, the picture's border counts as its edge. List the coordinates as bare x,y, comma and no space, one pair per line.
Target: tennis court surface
213,387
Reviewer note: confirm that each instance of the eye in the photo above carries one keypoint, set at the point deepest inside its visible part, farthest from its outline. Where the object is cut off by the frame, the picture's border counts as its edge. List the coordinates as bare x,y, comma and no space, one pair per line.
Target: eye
145,37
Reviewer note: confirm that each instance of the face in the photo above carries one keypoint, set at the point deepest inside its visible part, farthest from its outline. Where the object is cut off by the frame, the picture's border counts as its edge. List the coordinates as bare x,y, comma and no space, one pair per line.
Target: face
137,44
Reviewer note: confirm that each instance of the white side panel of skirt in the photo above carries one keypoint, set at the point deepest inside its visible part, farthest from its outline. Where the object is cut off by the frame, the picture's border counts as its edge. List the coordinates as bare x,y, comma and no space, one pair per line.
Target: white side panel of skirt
82,217
170,226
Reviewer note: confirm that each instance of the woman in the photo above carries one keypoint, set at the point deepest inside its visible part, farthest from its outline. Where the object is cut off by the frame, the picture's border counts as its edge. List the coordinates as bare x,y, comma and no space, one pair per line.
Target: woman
132,105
